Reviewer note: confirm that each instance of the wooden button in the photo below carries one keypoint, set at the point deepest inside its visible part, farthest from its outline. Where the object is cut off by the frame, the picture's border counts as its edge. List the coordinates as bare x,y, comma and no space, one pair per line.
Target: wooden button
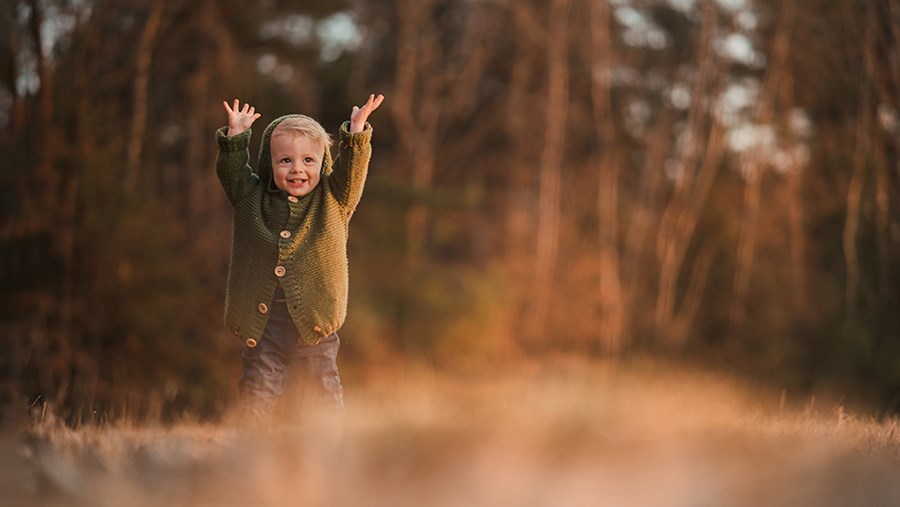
317,329
250,342
263,308
292,198
285,234
279,271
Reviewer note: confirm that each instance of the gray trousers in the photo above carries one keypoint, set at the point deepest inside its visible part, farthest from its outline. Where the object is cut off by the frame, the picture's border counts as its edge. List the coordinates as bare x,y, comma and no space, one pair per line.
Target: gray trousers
282,360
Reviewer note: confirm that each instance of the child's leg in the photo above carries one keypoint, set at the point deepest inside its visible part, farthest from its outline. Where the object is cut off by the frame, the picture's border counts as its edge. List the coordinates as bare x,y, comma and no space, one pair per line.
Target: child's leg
315,368
265,367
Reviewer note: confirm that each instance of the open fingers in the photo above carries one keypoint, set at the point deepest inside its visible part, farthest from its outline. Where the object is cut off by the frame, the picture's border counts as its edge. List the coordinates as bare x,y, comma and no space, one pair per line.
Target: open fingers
373,102
247,110
236,107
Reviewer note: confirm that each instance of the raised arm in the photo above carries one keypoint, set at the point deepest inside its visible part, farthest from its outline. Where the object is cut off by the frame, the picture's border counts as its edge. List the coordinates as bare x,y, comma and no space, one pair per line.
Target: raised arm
233,161
352,161
240,120
359,115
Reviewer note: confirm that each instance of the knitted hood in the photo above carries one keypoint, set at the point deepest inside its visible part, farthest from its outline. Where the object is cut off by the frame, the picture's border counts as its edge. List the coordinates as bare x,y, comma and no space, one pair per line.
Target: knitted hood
264,168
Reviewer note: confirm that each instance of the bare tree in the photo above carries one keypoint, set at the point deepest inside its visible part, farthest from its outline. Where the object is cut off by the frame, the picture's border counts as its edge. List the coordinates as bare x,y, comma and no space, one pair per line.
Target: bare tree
795,178
143,60
36,22
43,168
555,114
612,298
692,186
435,83
753,165
856,186
528,38
874,149
882,61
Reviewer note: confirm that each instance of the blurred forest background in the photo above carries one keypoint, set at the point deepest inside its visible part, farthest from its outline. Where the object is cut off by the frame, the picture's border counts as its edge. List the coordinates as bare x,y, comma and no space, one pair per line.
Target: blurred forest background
716,181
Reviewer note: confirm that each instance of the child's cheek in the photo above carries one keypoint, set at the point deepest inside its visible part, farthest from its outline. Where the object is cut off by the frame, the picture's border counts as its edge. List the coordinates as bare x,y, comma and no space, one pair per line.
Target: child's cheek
278,176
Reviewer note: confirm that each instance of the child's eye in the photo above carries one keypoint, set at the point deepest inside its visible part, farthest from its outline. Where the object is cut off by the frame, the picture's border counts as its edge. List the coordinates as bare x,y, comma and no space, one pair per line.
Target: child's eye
285,160
309,160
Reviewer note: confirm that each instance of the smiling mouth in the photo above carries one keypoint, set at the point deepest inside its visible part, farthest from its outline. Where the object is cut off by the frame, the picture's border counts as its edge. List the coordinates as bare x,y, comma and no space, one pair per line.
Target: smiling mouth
296,181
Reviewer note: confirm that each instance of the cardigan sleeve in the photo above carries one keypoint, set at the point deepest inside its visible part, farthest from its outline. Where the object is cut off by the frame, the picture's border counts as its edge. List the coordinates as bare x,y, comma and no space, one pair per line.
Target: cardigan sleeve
233,165
351,166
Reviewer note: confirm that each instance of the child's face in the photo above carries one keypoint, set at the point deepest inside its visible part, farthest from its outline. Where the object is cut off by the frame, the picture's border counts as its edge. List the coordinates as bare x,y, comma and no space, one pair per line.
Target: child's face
296,163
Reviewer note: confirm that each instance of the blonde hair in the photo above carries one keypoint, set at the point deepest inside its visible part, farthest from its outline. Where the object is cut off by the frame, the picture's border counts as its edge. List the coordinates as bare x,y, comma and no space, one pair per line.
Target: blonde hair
303,126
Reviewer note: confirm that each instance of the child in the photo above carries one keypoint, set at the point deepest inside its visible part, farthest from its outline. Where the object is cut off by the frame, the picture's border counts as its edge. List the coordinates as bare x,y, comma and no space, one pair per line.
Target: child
288,280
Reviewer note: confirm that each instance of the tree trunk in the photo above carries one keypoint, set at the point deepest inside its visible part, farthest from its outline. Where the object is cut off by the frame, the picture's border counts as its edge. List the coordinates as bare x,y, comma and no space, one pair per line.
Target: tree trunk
882,57
416,109
612,325
519,217
43,176
860,161
851,222
549,172
43,67
753,168
143,60
797,240
681,214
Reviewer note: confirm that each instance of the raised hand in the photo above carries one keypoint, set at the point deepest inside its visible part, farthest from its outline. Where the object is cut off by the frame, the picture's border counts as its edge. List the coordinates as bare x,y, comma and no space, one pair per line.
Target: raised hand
359,115
240,119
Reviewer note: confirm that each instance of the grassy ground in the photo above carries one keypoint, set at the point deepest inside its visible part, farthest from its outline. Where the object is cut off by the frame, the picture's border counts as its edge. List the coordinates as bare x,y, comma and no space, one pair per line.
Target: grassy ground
566,434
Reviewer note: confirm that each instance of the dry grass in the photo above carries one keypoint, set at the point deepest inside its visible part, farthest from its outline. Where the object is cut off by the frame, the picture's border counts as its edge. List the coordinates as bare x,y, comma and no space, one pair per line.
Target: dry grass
569,434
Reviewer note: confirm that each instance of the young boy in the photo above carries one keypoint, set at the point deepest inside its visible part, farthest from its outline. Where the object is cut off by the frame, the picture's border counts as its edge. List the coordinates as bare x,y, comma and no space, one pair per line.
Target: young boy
288,280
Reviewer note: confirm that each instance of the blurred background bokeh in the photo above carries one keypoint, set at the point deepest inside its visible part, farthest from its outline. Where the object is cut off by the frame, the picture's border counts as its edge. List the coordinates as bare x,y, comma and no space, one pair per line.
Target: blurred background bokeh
708,181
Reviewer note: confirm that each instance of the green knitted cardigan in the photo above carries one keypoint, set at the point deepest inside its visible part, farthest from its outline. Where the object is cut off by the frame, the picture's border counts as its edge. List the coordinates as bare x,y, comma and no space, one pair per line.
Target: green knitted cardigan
304,239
